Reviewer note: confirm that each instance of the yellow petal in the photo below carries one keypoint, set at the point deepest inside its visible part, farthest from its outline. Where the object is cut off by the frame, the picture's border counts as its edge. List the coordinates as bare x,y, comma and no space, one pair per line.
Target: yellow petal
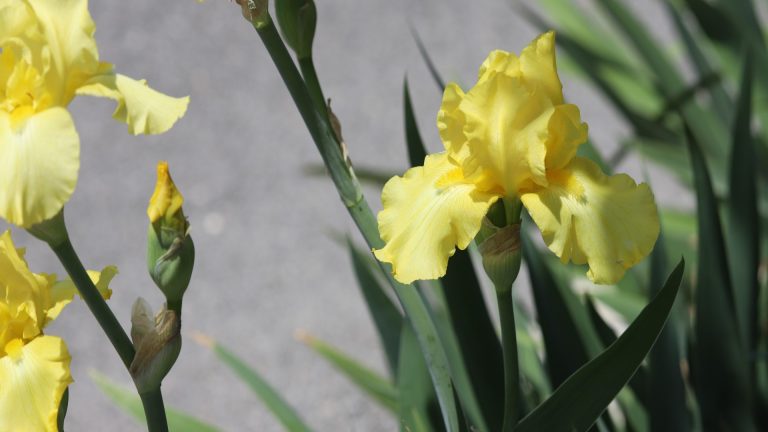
427,213
536,67
146,111
34,377
450,123
62,292
586,217
68,30
39,161
166,200
514,135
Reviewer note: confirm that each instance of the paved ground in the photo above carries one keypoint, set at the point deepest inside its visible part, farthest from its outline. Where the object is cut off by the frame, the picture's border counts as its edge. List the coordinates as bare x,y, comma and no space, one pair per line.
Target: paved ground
265,263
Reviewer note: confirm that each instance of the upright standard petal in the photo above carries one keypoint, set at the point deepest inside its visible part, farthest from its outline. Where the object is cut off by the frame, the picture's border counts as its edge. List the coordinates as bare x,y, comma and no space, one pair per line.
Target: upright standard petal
427,213
609,223
146,111
68,30
33,377
39,161
536,67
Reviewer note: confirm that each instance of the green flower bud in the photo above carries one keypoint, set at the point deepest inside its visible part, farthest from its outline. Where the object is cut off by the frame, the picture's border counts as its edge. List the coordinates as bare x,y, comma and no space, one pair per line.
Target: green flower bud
500,246
157,342
170,250
297,19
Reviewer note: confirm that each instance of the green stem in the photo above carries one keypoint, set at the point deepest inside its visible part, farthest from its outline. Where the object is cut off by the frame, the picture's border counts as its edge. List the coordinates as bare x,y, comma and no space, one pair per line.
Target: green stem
349,190
95,301
307,66
155,411
108,322
511,370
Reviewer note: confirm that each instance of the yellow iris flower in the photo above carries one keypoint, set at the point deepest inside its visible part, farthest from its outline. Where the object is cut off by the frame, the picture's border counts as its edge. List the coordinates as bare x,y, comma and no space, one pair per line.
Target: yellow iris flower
34,367
48,56
511,136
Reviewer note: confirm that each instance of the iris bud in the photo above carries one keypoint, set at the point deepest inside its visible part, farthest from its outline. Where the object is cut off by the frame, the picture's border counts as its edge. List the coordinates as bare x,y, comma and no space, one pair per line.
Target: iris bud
157,342
297,19
170,250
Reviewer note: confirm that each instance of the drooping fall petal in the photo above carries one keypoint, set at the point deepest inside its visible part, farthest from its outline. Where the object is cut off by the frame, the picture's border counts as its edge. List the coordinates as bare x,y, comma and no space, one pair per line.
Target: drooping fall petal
62,292
609,223
39,161
143,109
427,213
33,376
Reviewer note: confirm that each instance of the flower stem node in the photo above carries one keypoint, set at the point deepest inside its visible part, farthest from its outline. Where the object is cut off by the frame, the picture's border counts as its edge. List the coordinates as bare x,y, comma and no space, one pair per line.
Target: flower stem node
170,250
255,11
158,343
297,19
501,252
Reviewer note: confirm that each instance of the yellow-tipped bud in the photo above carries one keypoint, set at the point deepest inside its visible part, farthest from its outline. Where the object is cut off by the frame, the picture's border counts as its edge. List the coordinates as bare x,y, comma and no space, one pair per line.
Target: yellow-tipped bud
165,204
170,251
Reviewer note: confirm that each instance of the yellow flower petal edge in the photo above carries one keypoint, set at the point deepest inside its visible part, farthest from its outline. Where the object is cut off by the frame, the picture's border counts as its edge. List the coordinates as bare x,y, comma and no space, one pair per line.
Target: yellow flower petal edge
37,178
34,367
34,377
511,136
428,213
48,55
166,200
609,223
146,111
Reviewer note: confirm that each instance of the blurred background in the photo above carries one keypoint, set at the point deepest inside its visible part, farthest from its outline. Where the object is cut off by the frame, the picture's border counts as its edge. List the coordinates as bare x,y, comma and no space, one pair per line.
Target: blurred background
267,264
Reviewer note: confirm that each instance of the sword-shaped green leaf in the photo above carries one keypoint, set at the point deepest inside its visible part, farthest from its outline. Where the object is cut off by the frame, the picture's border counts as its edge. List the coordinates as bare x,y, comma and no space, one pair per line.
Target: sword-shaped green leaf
579,401
721,369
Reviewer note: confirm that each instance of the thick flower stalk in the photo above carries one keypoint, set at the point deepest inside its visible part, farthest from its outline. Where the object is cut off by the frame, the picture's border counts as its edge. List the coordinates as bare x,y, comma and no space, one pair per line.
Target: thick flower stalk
48,57
34,367
512,137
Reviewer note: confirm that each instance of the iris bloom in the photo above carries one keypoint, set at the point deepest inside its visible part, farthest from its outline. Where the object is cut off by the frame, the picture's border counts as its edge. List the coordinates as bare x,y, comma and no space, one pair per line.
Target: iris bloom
511,136
48,57
34,367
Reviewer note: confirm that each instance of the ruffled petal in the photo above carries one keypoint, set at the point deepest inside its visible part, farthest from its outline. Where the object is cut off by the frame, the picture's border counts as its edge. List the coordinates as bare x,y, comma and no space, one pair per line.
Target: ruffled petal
145,110
62,292
39,161
450,123
68,30
609,223
536,67
33,378
427,213
505,126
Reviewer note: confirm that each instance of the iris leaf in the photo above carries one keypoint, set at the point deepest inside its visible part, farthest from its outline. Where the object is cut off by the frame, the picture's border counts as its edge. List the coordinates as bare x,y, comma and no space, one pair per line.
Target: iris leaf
129,401
577,404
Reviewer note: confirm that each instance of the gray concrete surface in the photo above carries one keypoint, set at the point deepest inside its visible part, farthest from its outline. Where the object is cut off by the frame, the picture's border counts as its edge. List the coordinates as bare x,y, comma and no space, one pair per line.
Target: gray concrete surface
265,264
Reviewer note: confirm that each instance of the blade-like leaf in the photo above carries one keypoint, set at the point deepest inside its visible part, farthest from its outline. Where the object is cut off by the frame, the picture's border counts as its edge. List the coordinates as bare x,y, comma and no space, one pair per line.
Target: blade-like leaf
428,60
563,343
446,328
129,401
62,414
283,412
469,319
721,102
416,150
577,404
743,217
721,370
376,386
639,381
386,317
417,401
668,413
